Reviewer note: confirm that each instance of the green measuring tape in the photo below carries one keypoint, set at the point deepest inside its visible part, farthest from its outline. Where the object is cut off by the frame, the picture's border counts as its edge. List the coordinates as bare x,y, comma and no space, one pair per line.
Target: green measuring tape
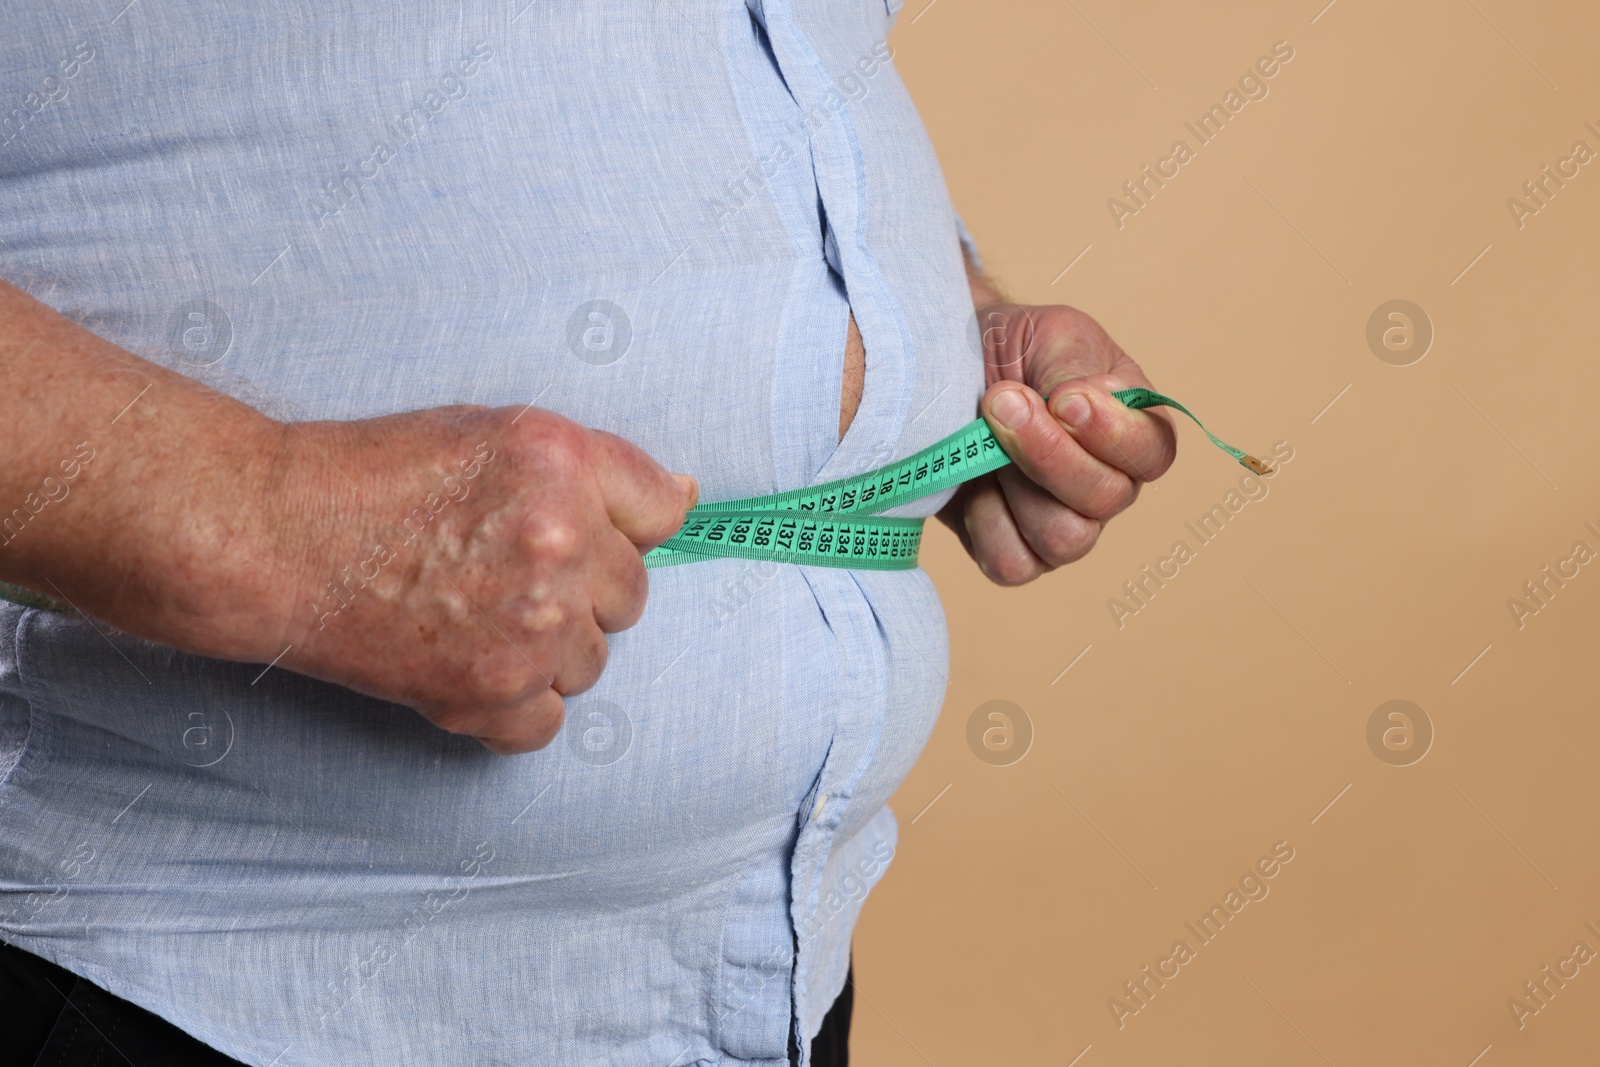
833,525
838,525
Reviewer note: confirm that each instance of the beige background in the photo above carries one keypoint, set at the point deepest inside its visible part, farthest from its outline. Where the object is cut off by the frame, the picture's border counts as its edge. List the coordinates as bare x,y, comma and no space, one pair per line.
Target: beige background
1232,710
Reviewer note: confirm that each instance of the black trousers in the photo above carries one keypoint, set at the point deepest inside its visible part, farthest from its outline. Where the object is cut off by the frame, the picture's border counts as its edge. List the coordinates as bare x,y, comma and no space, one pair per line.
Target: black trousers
49,1017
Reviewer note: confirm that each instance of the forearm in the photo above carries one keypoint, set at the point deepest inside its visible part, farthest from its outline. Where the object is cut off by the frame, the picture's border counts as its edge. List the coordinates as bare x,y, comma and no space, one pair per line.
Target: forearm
130,490
465,561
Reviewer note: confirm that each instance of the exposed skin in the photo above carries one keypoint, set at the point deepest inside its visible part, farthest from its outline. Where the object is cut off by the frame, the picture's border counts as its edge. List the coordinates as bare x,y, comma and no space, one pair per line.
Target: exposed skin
1078,461
855,374
202,524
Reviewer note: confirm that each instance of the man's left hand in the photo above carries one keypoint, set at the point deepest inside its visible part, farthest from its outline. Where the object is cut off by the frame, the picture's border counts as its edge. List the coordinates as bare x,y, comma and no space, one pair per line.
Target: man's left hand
1076,462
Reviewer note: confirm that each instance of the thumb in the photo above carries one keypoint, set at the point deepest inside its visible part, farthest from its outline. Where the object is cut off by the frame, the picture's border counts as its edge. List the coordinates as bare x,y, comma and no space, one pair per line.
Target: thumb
690,486
645,502
1014,413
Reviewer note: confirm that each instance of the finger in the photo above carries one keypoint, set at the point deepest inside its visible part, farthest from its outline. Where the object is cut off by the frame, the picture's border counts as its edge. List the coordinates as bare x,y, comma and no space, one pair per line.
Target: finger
997,546
581,658
500,681
527,727
572,659
1051,456
1057,534
1140,443
690,486
619,585
645,502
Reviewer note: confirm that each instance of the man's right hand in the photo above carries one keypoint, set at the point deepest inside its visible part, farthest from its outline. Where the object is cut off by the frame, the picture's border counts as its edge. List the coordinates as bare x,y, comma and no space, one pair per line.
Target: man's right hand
474,567
464,561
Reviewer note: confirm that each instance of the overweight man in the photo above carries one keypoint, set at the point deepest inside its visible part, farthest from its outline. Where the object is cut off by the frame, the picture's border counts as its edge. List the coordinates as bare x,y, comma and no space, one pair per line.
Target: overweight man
352,354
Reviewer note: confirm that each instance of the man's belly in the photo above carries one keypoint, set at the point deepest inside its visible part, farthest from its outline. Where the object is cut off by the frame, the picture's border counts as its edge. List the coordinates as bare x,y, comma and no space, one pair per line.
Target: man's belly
855,373
695,749
214,836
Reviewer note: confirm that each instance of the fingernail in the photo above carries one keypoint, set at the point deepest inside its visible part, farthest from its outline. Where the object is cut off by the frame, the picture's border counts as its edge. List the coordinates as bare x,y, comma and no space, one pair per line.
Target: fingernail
1010,408
1074,410
690,486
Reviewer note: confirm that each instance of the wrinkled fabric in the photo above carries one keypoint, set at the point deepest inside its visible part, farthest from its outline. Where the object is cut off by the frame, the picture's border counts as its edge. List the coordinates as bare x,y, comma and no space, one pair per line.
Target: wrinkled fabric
653,219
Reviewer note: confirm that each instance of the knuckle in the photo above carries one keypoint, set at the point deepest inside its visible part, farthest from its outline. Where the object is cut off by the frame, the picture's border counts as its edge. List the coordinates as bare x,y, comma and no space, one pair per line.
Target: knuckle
1010,567
1044,441
1069,539
551,537
585,667
1081,327
538,612
633,590
1109,493
560,445
496,680
486,688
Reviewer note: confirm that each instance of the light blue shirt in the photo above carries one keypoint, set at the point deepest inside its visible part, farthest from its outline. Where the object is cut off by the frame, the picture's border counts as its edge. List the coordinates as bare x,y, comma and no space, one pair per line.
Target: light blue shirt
651,218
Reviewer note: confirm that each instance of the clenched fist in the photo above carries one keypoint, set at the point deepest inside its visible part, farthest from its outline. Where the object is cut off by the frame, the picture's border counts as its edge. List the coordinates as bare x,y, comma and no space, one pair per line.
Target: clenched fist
467,562
1079,459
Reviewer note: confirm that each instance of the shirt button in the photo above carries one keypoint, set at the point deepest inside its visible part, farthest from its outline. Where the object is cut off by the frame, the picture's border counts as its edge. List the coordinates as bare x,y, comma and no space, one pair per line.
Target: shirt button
816,812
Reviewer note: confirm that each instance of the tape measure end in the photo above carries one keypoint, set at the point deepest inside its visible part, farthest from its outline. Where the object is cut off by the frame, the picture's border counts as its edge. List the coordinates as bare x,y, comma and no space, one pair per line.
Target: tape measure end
1256,465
